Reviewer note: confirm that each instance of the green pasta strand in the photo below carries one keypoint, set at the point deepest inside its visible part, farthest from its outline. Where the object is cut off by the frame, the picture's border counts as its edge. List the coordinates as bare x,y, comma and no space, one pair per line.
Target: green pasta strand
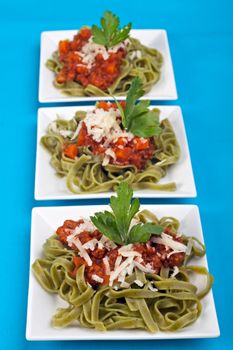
147,67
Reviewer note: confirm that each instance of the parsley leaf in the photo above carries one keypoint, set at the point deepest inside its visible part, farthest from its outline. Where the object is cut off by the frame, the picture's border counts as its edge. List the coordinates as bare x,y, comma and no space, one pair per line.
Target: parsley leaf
105,222
116,225
142,232
137,118
123,211
109,34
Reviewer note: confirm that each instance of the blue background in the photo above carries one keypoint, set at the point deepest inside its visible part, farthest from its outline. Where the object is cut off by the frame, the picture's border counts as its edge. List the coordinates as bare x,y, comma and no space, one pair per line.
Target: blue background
201,42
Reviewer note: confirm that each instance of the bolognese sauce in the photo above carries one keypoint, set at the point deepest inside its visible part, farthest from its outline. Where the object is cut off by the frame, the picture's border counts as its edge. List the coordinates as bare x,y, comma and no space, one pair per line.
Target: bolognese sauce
105,256
88,63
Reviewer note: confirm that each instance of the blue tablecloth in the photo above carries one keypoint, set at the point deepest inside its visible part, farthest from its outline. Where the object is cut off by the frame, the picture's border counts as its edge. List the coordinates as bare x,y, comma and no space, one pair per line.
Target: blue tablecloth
201,42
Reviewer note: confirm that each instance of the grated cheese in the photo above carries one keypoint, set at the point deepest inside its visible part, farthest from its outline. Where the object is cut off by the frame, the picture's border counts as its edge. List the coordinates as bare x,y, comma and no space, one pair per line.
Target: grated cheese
143,268
83,253
90,50
87,225
91,244
169,242
139,283
114,274
153,289
131,253
175,271
66,133
124,285
107,266
97,278
118,261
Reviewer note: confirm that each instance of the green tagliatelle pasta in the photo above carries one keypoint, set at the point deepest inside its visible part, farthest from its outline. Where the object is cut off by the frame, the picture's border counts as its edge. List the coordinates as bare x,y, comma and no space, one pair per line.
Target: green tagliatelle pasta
147,67
163,303
87,174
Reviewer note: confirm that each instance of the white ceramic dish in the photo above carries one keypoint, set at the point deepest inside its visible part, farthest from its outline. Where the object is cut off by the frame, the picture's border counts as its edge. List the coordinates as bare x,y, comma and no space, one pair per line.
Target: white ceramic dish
42,305
49,186
165,89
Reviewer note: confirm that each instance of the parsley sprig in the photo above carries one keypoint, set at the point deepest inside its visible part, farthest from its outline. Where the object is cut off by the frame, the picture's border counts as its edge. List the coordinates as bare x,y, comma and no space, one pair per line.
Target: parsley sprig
136,117
116,224
109,34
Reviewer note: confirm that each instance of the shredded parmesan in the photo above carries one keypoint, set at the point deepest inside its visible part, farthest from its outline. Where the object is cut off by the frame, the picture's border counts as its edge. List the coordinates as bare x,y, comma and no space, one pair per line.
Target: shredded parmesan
87,225
175,271
139,283
66,133
153,289
118,261
143,268
131,253
124,285
83,253
90,244
169,242
114,274
107,266
90,50
105,124
97,278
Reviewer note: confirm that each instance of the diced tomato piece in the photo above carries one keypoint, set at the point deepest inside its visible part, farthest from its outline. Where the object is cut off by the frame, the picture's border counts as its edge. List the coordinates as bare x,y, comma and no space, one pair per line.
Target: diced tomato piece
111,68
82,136
121,141
104,105
176,259
85,33
112,255
63,46
71,151
84,237
95,269
81,69
140,144
98,253
122,154
70,75
98,149
78,261
99,57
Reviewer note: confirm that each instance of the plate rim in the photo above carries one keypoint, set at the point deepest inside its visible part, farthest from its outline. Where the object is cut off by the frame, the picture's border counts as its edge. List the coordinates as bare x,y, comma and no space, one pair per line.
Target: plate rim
108,335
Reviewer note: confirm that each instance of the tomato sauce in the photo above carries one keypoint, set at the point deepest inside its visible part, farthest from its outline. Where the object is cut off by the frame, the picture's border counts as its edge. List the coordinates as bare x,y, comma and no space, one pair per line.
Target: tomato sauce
101,74
128,152
155,254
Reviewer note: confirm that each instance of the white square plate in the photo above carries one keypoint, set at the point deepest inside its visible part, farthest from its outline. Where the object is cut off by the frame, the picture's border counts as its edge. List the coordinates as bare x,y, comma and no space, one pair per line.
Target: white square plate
42,305
165,89
49,186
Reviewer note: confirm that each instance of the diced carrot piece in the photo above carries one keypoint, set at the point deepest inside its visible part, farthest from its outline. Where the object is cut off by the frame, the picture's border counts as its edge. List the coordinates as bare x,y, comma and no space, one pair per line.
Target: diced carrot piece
85,33
111,68
82,136
104,105
121,141
122,154
140,145
71,151
78,261
63,46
